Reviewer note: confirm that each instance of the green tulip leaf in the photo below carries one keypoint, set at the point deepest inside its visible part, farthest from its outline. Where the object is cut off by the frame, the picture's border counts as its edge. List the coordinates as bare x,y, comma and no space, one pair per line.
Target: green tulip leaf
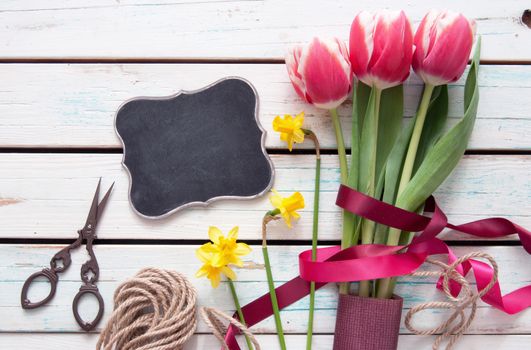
436,118
363,92
445,154
360,100
389,124
392,172
368,147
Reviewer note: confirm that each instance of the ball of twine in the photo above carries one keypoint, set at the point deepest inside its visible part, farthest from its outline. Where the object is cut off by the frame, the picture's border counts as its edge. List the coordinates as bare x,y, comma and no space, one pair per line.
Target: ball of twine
155,310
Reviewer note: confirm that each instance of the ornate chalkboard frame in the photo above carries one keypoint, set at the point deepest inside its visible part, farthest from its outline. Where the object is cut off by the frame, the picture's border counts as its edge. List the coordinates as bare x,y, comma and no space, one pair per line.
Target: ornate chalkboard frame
266,187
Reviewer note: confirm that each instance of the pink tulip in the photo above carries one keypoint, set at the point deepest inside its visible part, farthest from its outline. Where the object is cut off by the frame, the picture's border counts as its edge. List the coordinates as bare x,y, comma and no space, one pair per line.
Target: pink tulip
442,47
381,46
320,72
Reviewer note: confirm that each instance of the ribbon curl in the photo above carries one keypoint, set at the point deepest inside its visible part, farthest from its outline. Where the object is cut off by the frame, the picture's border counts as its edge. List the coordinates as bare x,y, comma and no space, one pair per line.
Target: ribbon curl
374,261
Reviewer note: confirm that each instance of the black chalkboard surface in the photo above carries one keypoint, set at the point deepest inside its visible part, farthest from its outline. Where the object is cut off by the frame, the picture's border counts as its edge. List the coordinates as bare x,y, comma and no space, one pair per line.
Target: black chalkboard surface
194,147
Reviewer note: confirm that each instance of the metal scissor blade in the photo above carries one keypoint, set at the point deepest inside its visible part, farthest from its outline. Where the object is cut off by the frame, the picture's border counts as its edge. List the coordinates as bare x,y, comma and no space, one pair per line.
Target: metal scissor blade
103,202
93,213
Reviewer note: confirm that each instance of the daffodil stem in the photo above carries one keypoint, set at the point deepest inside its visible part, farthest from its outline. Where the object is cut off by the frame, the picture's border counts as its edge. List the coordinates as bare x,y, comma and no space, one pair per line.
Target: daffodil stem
274,301
315,231
239,311
386,286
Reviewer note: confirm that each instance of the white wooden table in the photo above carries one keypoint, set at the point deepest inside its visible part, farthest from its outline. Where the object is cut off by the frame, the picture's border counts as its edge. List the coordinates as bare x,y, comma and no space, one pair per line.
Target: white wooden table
67,65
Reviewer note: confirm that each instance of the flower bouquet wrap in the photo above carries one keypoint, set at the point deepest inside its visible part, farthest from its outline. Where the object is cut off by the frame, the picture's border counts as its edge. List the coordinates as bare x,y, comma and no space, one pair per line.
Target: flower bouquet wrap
390,221
396,162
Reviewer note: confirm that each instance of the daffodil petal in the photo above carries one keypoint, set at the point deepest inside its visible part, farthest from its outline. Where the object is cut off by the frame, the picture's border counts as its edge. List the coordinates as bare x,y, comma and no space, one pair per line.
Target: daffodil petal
228,272
214,281
287,219
276,123
298,136
242,249
290,144
217,260
202,255
214,234
236,261
233,234
201,272
275,199
209,248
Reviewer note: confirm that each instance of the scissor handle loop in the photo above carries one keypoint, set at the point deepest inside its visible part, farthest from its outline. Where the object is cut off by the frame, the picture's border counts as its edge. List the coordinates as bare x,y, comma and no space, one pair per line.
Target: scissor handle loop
64,256
47,273
88,289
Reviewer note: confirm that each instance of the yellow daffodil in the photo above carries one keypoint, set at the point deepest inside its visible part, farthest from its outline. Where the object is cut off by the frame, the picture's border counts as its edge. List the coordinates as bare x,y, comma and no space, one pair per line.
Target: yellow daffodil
213,273
287,206
224,250
216,256
219,253
290,128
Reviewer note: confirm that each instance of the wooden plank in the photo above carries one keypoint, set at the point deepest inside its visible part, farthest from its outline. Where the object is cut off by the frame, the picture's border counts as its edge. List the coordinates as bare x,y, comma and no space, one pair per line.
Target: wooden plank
170,29
267,341
118,262
59,105
47,196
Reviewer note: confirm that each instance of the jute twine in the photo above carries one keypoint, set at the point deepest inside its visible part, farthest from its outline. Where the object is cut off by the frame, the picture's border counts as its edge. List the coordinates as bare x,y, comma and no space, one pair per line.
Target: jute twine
459,321
153,310
156,310
214,319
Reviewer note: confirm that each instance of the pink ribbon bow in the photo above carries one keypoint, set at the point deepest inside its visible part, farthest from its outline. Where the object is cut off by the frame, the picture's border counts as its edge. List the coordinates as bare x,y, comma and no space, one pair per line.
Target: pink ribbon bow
374,261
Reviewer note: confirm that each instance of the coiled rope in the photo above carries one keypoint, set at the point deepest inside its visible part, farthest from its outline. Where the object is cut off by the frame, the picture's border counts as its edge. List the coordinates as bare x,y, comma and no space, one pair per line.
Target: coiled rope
156,310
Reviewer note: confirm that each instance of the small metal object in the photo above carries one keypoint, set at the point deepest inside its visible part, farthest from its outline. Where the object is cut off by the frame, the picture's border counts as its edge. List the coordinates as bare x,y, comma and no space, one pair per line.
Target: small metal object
61,261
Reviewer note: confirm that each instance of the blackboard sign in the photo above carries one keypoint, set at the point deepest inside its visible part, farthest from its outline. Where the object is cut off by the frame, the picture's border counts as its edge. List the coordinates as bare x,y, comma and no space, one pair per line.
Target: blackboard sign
194,147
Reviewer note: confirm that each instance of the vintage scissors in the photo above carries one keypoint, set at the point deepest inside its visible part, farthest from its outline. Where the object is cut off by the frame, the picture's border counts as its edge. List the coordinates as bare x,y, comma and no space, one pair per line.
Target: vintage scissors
62,260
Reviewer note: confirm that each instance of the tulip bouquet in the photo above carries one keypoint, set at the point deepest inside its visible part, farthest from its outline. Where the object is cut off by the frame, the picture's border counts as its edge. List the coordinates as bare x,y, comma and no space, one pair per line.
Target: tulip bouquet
399,161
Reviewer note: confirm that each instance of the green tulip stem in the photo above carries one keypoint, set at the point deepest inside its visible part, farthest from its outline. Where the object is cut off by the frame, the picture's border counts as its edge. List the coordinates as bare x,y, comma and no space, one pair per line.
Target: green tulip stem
368,226
386,286
239,311
315,229
348,219
271,215
340,146
353,174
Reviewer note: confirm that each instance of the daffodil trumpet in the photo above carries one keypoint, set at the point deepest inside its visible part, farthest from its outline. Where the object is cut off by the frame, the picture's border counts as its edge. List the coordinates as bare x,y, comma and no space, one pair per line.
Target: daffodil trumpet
216,257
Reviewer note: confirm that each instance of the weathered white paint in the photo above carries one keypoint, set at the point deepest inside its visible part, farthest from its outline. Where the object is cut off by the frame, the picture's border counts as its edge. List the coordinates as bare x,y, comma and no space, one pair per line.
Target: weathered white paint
59,105
222,29
62,105
118,262
51,193
267,341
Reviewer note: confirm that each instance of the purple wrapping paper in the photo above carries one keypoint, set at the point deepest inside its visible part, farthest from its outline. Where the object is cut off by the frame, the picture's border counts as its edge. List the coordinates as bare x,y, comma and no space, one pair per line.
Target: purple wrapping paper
367,323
